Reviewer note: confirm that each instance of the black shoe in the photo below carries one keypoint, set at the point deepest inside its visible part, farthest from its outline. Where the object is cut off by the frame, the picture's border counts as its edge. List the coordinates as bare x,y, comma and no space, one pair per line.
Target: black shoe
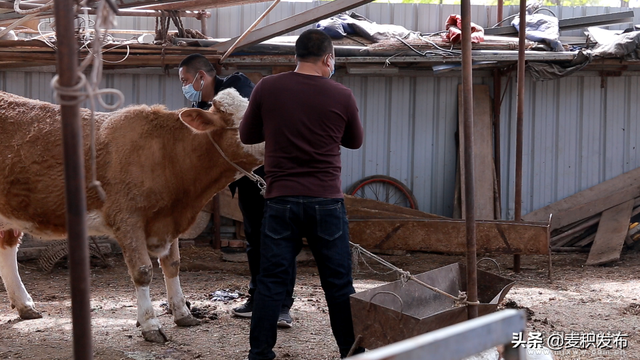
285,320
244,310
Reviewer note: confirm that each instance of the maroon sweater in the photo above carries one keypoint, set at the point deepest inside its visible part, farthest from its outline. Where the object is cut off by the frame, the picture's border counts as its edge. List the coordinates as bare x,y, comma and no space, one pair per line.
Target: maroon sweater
303,120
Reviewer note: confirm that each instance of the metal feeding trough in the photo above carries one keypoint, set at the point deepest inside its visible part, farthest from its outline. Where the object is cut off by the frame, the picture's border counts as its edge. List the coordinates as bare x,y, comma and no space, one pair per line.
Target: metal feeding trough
393,312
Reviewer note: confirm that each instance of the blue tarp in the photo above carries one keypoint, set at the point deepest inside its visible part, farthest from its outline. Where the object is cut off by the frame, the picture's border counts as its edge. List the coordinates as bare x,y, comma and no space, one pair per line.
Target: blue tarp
352,23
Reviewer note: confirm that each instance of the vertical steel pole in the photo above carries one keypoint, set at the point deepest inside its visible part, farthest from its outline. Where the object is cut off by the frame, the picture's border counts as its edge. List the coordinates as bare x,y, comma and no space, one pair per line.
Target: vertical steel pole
497,95
469,191
520,121
74,181
497,92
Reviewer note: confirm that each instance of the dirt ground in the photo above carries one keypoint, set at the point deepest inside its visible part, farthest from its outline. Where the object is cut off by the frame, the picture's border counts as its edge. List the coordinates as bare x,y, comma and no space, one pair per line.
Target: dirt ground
580,299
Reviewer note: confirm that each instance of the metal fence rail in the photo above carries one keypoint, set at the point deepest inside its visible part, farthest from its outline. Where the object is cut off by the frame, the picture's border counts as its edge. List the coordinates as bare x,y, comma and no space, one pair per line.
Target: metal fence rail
458,341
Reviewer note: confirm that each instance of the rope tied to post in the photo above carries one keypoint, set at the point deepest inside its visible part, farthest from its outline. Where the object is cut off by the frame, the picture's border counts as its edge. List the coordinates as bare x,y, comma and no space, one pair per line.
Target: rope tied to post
406,276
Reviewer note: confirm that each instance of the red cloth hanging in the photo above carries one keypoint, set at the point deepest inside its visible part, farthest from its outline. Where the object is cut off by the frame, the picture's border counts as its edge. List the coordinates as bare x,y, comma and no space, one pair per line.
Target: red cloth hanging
454,35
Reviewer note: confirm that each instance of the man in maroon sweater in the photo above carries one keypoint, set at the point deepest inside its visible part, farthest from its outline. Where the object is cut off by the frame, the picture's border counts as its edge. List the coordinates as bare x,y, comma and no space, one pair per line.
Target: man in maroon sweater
303,117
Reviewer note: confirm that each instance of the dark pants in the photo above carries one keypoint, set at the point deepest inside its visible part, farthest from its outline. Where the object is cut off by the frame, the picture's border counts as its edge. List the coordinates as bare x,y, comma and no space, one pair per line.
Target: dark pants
324,224
251,204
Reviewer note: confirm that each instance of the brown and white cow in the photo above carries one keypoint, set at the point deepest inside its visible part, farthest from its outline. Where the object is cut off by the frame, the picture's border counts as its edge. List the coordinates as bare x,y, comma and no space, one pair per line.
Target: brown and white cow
157,167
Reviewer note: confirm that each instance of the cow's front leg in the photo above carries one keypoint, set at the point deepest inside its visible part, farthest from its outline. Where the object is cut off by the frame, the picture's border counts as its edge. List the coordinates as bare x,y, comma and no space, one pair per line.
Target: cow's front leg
141,272
18,295
171,267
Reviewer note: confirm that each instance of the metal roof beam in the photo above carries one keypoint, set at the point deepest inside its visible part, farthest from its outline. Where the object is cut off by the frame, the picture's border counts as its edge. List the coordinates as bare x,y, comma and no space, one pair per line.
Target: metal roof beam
199,4
292,23
579,22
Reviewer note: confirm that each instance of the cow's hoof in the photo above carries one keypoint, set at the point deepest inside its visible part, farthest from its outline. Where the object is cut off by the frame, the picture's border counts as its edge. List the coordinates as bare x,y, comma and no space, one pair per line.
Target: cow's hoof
29,313
188,320
156,336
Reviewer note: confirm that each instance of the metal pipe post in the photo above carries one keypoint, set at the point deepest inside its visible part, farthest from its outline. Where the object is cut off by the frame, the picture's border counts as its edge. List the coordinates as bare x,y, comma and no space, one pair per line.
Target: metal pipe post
497,102
76,200
469,191
203,22
520,121
497,92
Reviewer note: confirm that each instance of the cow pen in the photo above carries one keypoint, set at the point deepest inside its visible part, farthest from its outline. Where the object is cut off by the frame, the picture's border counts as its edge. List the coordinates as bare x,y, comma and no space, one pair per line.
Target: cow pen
572,304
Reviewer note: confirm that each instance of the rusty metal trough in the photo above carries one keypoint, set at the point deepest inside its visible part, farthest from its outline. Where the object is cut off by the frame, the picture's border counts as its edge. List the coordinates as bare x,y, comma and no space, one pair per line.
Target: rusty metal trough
393,312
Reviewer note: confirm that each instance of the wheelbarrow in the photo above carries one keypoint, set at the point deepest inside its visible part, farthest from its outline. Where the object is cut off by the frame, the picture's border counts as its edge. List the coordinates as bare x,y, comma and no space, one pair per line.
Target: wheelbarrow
400,310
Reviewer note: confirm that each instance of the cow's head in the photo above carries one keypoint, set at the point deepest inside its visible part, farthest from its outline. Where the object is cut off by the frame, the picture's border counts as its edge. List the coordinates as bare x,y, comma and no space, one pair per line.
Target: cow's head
227,111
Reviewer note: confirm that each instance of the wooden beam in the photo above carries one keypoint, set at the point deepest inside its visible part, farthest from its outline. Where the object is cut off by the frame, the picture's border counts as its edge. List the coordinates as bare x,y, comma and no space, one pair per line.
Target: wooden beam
594,207
628,180
8,17
358,206
123,4
482,152
292,23
448,236
147,11
611,234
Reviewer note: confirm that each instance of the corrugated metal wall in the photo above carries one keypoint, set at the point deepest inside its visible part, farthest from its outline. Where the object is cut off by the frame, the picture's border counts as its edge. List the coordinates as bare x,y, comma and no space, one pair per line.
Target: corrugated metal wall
577,133
138,87
409,123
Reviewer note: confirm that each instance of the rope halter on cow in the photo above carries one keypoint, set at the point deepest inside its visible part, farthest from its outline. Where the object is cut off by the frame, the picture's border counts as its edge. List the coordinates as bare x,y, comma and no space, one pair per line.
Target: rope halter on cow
251,175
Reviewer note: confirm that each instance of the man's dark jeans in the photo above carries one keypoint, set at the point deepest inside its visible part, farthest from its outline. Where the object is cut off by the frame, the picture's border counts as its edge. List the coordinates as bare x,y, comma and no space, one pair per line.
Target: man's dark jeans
251,204
324,224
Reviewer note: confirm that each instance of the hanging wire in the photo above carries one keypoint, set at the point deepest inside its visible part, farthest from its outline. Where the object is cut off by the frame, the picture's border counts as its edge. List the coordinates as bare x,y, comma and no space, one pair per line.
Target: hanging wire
545,9
441,51
518,14
43,37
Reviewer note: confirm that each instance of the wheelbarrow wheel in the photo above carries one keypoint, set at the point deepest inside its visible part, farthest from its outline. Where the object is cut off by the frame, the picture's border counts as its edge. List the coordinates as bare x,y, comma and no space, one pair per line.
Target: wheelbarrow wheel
384,188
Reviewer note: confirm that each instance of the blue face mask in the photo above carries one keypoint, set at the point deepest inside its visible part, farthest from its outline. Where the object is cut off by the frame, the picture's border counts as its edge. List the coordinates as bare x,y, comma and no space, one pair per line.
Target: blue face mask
191,94
332,70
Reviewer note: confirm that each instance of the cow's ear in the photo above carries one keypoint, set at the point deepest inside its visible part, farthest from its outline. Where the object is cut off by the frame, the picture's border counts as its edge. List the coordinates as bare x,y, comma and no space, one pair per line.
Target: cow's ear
201,121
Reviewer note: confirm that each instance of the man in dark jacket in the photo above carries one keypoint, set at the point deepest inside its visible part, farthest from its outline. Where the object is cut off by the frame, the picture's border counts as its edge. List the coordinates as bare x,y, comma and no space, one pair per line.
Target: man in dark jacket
199,85
304,118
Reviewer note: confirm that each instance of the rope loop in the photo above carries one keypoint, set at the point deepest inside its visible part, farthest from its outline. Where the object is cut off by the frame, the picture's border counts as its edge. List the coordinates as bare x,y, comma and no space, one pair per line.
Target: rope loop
405,276
16,8
88,89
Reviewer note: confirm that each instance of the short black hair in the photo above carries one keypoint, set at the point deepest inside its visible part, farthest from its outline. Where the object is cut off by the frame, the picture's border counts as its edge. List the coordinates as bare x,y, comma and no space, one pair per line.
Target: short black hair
313,44
197,62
